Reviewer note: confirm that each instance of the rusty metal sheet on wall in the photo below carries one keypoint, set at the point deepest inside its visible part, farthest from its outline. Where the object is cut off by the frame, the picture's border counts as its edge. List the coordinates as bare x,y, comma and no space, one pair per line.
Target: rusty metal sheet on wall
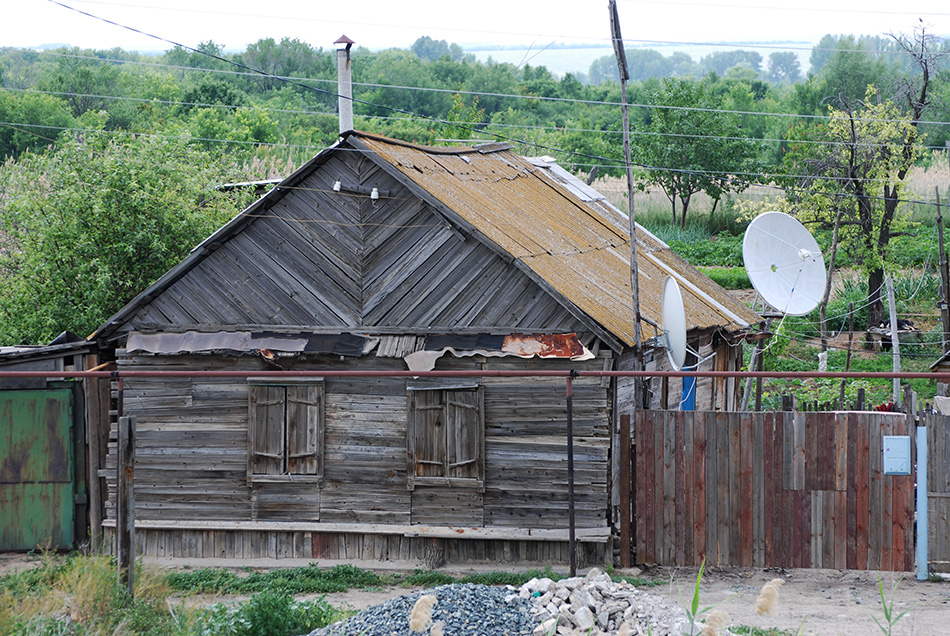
36,469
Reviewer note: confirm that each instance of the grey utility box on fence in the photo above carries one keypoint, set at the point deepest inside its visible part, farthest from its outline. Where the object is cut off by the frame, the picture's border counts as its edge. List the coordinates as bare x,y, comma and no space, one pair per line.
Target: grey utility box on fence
896,454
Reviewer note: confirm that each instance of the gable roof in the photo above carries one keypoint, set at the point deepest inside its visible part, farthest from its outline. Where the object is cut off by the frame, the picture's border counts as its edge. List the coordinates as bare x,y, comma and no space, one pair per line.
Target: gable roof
548,224
561,230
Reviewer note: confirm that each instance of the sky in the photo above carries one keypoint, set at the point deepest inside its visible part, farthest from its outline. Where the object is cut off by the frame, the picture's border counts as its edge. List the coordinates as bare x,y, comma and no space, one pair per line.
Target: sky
378,24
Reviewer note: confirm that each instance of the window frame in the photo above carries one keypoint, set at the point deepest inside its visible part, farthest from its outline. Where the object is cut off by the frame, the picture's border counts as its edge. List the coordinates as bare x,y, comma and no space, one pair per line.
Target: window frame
417,419
313,413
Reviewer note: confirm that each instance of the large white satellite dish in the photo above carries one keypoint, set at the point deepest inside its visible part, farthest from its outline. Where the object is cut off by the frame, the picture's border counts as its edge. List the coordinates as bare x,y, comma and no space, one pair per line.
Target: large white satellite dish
784,263
674,323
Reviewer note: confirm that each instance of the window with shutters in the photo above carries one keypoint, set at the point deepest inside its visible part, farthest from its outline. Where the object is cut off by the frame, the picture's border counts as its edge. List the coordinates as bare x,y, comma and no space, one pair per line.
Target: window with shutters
285,431
446,437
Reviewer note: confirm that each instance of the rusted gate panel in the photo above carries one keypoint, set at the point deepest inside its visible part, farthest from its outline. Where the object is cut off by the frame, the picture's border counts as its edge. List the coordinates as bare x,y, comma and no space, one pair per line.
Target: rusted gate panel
36,469
938,490
771,489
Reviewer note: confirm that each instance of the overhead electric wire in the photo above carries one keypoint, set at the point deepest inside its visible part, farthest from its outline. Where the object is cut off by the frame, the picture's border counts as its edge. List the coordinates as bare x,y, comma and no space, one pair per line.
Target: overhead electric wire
435,119
302,82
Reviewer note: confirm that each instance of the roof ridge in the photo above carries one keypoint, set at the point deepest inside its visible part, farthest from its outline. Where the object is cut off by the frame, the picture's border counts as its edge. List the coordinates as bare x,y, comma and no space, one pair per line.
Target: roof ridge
483,148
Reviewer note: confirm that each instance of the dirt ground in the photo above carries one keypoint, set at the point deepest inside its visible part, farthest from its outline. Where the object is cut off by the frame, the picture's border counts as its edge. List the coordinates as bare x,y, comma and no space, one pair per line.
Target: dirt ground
825,602
817,602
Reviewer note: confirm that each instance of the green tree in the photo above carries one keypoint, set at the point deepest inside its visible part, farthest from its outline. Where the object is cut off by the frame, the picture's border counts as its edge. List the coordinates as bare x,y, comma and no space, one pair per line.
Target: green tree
784,67
853,67
88,226
463,120
690,145
721,61
855,165
867,151
429,49
31,120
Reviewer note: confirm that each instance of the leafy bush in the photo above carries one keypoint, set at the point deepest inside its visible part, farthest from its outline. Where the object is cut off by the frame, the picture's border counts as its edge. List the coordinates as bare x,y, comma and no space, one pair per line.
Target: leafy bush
718,251
267,614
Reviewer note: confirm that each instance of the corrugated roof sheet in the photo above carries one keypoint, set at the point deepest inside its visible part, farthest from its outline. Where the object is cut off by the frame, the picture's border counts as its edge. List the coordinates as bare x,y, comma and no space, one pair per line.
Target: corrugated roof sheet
574,241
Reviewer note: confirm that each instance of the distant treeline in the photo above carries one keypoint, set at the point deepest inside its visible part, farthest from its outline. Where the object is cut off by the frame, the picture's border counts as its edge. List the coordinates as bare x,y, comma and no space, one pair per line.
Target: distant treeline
277,99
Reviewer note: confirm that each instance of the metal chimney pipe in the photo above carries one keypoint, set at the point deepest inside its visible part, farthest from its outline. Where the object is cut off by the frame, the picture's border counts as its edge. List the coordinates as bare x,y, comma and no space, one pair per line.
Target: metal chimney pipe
344,83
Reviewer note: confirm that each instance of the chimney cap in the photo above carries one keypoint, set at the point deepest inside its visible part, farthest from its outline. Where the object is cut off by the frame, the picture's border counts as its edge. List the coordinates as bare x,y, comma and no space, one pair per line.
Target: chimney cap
345,40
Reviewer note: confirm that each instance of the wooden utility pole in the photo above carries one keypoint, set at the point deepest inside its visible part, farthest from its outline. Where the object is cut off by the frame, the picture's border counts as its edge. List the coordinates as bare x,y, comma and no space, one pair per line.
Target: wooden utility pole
895,338
944,279
640,401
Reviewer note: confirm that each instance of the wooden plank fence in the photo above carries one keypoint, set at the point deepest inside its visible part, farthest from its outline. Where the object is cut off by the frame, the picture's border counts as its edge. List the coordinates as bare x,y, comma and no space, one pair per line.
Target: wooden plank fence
782,489
938,490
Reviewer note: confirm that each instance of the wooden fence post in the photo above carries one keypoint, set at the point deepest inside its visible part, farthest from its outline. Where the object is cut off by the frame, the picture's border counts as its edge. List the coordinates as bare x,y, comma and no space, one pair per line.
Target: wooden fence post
626,486
125,500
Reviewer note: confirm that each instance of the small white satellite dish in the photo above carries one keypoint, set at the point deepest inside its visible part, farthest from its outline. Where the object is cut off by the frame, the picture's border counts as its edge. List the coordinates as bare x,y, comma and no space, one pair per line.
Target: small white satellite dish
674,323
784,263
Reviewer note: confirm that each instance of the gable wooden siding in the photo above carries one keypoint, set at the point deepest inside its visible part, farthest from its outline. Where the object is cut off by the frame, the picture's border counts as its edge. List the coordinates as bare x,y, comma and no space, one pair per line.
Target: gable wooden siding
318,258
193,444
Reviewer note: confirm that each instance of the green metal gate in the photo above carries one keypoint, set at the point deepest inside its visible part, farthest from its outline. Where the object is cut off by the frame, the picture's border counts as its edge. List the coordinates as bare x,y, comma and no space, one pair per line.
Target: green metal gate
36,469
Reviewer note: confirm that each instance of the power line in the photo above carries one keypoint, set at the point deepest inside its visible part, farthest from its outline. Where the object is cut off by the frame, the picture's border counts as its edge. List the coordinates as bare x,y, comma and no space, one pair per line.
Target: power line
302,82
437,120
636,133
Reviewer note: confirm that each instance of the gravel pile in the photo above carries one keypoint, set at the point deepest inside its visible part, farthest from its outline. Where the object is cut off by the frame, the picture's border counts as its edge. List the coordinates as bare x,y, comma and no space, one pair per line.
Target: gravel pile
592,605
465,609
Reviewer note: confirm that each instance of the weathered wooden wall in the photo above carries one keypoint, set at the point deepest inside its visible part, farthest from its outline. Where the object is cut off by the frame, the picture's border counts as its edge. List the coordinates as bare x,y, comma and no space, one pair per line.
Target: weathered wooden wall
712,394
771,490
305,544
192,453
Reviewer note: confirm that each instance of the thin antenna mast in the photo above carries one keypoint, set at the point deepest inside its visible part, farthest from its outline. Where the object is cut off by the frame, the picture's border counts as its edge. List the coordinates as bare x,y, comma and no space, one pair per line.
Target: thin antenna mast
640,401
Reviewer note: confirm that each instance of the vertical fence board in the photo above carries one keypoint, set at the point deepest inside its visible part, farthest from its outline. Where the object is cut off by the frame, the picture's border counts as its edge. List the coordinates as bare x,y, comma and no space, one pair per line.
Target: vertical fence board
758,490
668,432
852,513
732,488
712,487
841,530
875,493
863,488
689,483
652,510
679,464
699,500
626,484
746,500
812,451
769,487
641,486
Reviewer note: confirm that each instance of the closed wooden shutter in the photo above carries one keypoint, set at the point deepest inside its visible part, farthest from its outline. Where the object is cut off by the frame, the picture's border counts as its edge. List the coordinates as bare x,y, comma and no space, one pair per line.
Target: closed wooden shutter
304,434
463,434
266,429
428,433
446,437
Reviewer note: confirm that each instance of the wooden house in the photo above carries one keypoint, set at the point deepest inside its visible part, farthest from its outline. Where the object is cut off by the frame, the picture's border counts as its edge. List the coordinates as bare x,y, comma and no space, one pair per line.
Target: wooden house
380,255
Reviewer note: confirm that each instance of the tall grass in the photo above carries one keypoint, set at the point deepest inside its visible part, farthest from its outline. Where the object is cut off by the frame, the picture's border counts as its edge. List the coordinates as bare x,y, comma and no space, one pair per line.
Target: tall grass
80,596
